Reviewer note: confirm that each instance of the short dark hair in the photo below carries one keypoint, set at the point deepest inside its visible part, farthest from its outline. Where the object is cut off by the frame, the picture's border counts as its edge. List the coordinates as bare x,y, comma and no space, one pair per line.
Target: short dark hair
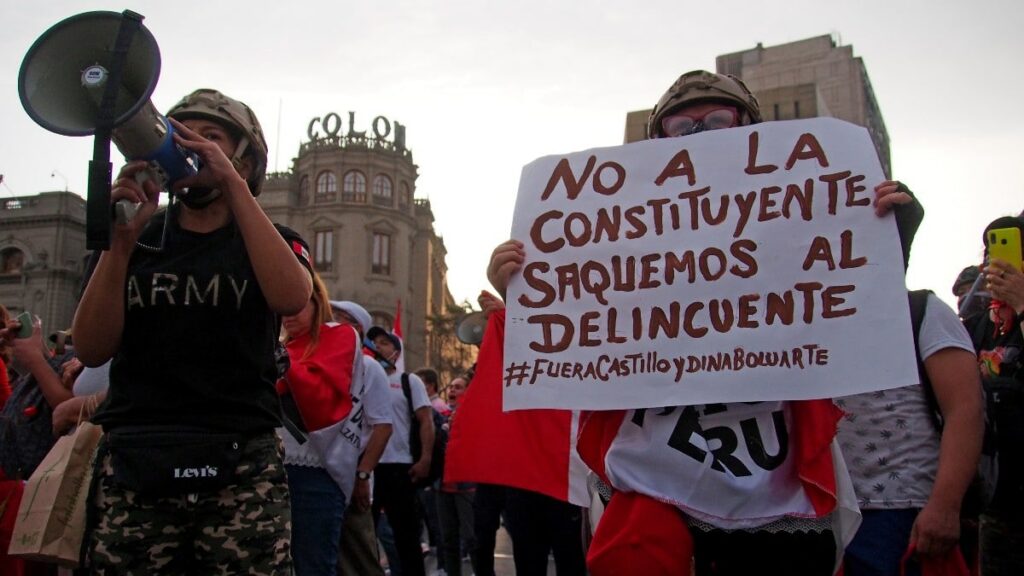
428,375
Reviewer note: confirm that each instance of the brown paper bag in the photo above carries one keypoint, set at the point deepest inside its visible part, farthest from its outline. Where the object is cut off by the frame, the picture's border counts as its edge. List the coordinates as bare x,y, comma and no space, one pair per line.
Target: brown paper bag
51,519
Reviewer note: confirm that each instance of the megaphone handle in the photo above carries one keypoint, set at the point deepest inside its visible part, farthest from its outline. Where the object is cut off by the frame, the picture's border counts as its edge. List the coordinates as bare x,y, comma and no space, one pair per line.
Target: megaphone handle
97,203
97,211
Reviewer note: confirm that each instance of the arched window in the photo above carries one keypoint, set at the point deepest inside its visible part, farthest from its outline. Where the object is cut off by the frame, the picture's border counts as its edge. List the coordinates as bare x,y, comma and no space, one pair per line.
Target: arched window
354,187
11,261
326,186
323,250
380,262
404,197
304,191
382,320
382,191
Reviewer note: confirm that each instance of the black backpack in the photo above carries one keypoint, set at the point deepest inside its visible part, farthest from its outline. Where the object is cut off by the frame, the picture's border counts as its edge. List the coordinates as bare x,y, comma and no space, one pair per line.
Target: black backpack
416,446
26,426
1003,451
980,492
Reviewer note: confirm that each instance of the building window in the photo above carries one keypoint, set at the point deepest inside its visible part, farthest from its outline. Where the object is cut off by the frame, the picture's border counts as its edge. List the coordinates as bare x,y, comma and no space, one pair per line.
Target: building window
382,320
381,263
404,197
796,109
382,191
11,261
775,111
304,191
326,187
353,188
323,253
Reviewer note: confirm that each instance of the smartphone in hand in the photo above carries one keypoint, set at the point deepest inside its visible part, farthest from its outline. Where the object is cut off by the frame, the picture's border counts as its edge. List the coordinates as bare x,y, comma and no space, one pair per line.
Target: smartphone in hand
1004,244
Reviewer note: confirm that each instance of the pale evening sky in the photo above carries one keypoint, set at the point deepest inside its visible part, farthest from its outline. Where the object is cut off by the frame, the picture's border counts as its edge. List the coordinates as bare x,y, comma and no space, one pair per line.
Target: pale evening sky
485,87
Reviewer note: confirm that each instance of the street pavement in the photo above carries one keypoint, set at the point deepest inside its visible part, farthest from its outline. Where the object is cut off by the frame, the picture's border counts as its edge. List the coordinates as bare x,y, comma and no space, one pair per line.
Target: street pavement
503,564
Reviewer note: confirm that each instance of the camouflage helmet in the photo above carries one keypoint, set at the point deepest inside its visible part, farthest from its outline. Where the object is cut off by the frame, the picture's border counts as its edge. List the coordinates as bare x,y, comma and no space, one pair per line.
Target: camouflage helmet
213,105
701,85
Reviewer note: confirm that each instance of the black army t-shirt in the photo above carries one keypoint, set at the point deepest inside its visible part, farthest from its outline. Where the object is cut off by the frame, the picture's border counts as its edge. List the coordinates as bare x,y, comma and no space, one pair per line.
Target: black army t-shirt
198,341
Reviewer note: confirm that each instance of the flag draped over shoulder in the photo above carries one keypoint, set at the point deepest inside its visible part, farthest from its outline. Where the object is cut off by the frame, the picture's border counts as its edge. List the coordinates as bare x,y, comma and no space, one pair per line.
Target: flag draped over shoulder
397,331
529,449
323,385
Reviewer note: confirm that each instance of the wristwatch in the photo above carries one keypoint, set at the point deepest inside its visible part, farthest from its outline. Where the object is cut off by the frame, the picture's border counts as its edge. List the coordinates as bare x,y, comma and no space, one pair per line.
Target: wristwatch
360,475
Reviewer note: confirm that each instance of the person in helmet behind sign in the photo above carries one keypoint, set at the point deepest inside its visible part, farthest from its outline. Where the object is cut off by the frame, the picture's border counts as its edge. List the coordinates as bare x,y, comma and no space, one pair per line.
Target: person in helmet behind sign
190,478
726,540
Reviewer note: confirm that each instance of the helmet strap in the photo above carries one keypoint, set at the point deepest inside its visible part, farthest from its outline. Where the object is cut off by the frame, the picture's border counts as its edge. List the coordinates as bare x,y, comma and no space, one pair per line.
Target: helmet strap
240,150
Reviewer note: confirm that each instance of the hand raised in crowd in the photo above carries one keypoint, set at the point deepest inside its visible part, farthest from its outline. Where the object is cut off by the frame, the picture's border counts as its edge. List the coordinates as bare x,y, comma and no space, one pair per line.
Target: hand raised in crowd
69,372
506,259
28,351
489,303
890,194
211,142
1005,283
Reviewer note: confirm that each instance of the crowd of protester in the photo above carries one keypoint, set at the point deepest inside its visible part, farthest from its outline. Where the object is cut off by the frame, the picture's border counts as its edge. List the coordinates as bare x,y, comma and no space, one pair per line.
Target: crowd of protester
331,450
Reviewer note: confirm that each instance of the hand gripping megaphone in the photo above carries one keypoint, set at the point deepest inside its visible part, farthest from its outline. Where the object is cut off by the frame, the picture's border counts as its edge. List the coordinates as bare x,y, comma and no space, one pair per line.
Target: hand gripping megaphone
93,74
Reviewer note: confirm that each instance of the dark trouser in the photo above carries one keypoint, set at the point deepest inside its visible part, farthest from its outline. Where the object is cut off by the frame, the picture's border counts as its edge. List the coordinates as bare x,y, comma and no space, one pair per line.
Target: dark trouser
488,504
393,491
881,540
427,496
739,553
358,555
539,524
1002,545
318,507
455,512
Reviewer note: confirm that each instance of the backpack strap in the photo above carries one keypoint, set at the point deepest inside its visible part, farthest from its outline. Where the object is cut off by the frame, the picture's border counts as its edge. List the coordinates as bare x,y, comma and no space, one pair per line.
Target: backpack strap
407,391
918,300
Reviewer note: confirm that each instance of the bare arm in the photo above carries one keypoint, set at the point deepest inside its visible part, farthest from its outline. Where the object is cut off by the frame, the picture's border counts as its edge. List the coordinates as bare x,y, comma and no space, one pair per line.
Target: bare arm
379,436
33,356
954,376
99,318
65,416
425,419
285,283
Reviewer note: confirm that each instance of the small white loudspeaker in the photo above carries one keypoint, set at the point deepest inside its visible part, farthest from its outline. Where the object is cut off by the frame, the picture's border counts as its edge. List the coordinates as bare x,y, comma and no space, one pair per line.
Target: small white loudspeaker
470,330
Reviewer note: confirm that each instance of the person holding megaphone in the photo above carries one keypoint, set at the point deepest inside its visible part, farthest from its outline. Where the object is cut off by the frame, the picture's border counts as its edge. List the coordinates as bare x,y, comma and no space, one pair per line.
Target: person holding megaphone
189,477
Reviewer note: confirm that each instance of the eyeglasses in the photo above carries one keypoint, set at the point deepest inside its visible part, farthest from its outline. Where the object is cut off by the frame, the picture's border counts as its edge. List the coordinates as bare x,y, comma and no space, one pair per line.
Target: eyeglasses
684,124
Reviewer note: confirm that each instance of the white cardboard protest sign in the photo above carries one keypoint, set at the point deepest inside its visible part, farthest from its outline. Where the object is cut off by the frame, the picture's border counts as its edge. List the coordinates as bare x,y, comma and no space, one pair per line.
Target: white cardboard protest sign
733,265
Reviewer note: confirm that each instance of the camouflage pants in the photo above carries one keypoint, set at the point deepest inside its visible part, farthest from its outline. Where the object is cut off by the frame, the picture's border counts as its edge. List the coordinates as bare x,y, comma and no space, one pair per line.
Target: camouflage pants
243,529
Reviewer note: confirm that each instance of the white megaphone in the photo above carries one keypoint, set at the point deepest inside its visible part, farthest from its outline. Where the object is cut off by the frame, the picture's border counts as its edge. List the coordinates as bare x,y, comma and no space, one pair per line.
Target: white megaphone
93,74
470,329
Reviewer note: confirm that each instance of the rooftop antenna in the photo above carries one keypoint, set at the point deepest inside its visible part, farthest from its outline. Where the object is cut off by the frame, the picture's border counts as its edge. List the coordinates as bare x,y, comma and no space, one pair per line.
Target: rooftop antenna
6,186
56,173
277,140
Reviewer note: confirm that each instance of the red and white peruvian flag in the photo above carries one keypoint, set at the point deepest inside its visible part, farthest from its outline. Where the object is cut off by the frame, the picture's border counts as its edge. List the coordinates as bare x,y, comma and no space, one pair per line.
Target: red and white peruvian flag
529,449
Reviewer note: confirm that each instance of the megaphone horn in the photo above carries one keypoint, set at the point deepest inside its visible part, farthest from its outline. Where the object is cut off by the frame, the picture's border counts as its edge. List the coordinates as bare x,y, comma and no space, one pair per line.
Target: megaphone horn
93,73
470,330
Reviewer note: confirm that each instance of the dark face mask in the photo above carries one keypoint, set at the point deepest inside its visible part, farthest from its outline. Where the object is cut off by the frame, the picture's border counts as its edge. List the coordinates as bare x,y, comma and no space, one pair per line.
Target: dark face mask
199,198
